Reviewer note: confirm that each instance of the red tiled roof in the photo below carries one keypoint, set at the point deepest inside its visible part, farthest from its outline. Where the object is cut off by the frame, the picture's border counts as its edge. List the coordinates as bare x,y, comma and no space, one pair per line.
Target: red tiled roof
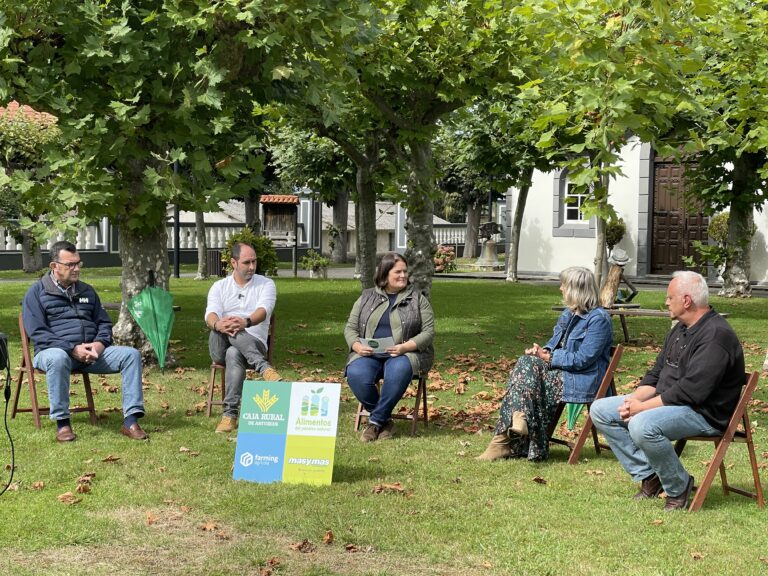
28,112
279,199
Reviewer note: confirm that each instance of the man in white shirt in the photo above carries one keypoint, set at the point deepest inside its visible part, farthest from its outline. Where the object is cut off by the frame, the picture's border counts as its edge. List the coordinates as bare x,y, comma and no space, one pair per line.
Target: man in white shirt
238,312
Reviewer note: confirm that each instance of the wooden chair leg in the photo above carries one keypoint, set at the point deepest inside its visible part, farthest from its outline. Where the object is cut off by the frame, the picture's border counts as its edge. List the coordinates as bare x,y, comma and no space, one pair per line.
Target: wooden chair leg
358,416
581,439
33,396
19,382
89,398
211,384
709,476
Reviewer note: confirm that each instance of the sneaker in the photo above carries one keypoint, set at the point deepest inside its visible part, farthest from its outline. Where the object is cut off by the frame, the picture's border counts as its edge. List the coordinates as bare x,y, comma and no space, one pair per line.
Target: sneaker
228,424
387,431
271,375
370,434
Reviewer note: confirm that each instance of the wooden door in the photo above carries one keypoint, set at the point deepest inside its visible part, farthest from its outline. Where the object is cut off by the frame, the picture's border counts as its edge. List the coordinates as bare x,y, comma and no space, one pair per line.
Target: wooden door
677,220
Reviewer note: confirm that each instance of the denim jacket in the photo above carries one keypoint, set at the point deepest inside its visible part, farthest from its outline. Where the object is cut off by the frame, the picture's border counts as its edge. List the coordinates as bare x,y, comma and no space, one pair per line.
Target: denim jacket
584,354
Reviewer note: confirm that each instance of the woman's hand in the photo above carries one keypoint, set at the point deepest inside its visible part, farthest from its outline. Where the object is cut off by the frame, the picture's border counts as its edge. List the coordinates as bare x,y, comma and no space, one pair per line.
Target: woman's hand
540,352
362,349
397,350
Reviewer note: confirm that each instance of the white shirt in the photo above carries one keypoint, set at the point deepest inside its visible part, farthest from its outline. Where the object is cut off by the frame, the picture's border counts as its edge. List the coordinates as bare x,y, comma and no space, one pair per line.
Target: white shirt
227,298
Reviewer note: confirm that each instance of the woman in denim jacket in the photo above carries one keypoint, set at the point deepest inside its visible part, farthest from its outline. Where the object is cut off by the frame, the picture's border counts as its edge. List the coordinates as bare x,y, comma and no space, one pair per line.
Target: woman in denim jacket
568,368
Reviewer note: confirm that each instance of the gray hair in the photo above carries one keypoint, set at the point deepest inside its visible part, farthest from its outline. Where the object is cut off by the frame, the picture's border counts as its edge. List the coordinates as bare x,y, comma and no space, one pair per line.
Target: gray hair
580,292
694,285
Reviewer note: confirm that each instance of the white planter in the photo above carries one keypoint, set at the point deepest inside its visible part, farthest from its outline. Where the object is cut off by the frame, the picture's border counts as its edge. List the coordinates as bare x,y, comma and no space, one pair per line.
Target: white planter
319,273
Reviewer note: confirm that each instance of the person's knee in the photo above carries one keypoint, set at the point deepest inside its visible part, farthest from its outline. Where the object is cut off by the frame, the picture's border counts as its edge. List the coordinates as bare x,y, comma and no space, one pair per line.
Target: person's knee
642,430
233,357
55,359
599,410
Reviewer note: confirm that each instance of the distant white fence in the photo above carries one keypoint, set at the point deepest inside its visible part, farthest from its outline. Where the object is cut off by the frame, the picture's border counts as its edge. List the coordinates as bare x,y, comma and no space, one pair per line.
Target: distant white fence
95,237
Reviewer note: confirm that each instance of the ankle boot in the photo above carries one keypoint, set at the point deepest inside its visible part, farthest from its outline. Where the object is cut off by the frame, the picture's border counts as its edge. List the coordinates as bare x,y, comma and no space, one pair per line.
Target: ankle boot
497,449
519,424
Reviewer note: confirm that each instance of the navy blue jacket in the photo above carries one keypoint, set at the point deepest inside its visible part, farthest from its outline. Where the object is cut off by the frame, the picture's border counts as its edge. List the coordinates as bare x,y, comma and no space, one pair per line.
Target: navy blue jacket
54,319
585,354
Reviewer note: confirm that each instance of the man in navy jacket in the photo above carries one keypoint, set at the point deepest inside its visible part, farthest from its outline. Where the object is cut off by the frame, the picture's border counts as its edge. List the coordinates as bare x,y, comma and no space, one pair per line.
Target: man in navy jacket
71,331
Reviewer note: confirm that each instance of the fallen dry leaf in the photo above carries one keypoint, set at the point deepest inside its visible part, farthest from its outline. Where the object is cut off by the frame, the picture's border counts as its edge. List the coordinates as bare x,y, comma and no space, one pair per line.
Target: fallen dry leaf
68,498
86,478
328,538
305,546
209,526
539,480
396,487
38,485
351,548
83,488
657,522
152,518
111,458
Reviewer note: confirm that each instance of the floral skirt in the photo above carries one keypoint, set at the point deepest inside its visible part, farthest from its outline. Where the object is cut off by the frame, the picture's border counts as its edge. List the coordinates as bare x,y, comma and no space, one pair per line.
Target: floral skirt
535,390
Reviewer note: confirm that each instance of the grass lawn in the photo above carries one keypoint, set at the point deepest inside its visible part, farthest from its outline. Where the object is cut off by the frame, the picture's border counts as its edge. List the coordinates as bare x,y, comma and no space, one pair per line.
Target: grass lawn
170,507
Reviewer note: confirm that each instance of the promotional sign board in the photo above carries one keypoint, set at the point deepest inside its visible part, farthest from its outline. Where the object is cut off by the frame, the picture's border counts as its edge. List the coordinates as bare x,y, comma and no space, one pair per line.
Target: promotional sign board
287,432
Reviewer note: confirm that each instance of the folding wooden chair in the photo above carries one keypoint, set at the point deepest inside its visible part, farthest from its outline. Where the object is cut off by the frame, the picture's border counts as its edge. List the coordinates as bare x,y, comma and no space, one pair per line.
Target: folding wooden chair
732,434
26,369
414,417
606,385
221,370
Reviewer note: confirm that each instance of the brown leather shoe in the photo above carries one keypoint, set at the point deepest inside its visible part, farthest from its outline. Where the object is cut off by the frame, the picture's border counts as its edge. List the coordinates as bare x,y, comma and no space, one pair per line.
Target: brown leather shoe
65,434
679,502
134,432
649,488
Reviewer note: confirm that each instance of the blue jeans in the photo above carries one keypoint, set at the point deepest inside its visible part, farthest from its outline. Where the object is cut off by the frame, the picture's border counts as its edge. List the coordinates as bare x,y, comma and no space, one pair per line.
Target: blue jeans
364,372
58,366
237,353
644,446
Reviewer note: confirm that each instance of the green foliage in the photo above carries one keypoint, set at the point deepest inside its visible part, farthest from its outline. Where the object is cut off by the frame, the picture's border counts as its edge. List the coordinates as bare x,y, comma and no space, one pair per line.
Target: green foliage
614,232
266,255
25,135
719,253
313,261
718,228
445,259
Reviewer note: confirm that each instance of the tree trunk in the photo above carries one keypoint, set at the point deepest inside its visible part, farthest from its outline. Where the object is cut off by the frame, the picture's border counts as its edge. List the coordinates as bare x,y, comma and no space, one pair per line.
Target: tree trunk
738,262
740,229
140,253
600,248
251,202
338,235
517,225
473,226
202,247
601,258
31,258
366,220
418,225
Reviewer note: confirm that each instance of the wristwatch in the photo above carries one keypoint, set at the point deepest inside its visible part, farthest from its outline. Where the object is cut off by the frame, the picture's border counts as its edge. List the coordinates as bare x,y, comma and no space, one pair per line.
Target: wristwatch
248,322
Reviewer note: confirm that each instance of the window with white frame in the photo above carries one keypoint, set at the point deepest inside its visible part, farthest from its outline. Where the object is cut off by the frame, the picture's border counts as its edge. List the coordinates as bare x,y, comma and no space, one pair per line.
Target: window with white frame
572,202
567,218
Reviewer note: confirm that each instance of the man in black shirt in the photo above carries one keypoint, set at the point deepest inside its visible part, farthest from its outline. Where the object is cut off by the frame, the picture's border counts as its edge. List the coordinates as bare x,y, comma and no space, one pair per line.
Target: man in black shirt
691,390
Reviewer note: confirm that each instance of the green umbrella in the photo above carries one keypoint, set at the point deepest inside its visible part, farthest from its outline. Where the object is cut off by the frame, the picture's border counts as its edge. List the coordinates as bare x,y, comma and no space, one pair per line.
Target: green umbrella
152,308
573,413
